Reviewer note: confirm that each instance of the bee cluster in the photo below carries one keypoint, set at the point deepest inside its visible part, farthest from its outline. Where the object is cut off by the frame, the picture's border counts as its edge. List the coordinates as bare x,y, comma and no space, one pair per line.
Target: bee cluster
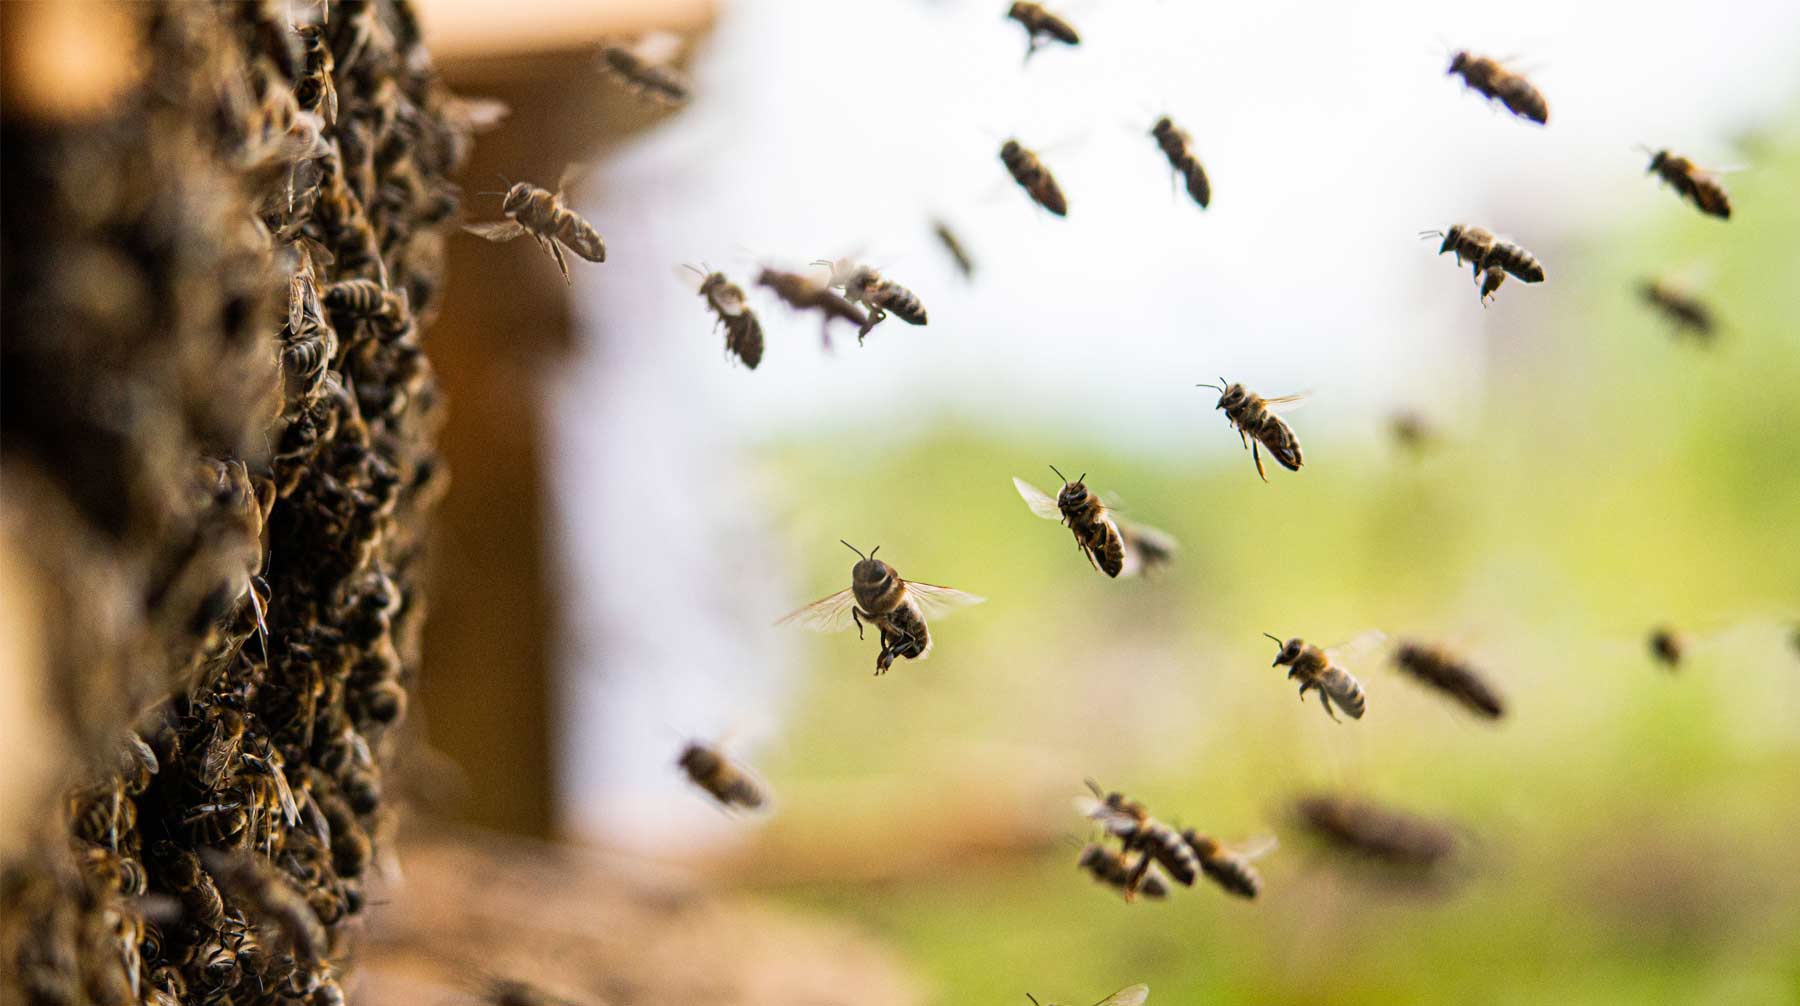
218,437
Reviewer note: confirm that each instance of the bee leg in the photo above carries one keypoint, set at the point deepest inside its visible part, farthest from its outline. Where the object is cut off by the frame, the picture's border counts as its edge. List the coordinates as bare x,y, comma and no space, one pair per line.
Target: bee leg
857,618
1136,879
1256,455
1327,704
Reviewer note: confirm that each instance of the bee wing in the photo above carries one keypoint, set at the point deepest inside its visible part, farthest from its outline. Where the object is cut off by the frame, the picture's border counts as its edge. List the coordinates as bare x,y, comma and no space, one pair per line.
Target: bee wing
477,115
1035,498
828,614
1289,403
1258,847
498,230
1145,547
730,300
1133,996
1113,821
657,47
289,809
936,602
1362,645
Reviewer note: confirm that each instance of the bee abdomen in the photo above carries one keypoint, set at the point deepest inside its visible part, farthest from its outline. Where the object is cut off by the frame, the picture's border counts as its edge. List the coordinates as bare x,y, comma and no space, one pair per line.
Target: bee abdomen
901,302
1283,445
1167,847
1515,260
356,296
744,337
1346,691
1233,874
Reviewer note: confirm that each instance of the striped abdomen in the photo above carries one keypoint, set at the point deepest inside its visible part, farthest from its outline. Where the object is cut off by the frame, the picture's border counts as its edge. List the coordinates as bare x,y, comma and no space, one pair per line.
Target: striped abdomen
1279,438
898,300
1515,260
1344,690
1175,144
1224,867
1033,177
1165,845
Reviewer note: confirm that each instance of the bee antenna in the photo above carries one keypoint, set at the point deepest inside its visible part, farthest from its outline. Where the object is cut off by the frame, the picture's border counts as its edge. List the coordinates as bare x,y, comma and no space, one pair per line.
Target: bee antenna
1213,386
1058,474
853,548
1033,999
873,551
1430,234
1083,477
1278,642
696,270
1092,785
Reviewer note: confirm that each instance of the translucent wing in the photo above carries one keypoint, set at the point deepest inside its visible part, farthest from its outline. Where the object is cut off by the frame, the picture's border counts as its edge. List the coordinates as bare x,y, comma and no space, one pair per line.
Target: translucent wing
830,614
498,230
1362,646
1258,847
1289,403
936,602
477,115
1040,504
1133,996
1146,548
1115,822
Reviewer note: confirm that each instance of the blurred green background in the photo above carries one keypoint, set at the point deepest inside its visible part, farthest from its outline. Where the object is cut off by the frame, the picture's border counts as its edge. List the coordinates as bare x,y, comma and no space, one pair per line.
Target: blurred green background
1635,834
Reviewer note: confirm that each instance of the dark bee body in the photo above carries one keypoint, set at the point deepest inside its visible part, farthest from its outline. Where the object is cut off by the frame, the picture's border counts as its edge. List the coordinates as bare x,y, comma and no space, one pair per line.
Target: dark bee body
954,246
882,297
1033,177
1478,247
1692,183
541,214
1177,146
1372,831
270,896
1041,27
1138,832
743,333
1495,82
315,91
1316,671
1230,870
362,298
713,772
802,294
1667,646
1447,674
1689,314
1112,868
1115,547
1491,279
199,896
1256,425
646,78
878,596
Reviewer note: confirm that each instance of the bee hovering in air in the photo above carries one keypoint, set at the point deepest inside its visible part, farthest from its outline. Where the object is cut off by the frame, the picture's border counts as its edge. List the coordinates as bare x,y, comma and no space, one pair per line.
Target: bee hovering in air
864,285
1041,27
1371,831
1441,670
1318,671
878,596
1494,81
1482,251
1257,424
541,214
644,68
714,773
1689,315
1113,868
743,333
1177,146
1033,177
1138,832
1692,183
1667,646
953,246
1229,868
1133,996
1113,546
802,293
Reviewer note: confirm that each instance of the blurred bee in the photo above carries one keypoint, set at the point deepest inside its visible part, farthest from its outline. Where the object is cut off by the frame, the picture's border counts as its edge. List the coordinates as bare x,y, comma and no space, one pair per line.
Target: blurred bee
1231,869
315,90
100,814
1257,424
879,597
1033,177
1177,146
1380,833
1411,431
1667,646
351,850
188,879
803,294
223,747
1495,82
743,333
1133,996
1138,832
1112,868
271,897
1041,27
643,68
115,871
1689,314
1447,674
864,285
1692,183
365,298
1478,247
1112,546
1316,670
954,247
541,214
713,772
497,991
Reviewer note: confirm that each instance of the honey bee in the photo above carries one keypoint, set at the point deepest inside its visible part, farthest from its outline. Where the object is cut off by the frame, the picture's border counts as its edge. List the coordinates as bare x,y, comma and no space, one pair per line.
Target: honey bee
954,247
879,597
1692,183
1372,831
351,850
315,90
270,896
1041,27
1231,869
365,298
640,68
1138,832
864,285
187,877
1177,146
1478,247
1033,177
1316,670
1448,674
115,871
223,746
1115,547
713,772
1112,868
1256,424
497,991
1689,314
100,814
1667,646
1495,82
802,294
541,214
743,333
1133,996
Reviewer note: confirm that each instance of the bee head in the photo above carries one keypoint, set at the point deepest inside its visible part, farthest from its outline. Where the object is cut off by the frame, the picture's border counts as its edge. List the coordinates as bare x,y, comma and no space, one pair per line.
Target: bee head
1290,650
1091,856
1452,238
1019,11
869,571
1073,491
696,758
1458,61
517,197
1230,395
1657,161
1164,126
1010,149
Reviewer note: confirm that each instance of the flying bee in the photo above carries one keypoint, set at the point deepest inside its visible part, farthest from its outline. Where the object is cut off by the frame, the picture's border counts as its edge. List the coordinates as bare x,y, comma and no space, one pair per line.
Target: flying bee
1369,830
315,90
1138,832
643,67
864,285
1133,996
1033,177
1687,313
803,294
1257,424
1177,146
1229,868
1041,27
1115,547
541,214
954,247
714,773
1692,183
1316,670
743,333
878,596
1448,674
1481,250
1495,82
1667,646
1113,868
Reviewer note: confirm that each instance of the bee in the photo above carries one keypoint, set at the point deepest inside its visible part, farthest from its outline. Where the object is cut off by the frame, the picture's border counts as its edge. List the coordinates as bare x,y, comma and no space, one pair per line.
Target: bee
100,814
315,90
1113,546
1041,27
1133,996
166,986
272,897
640,69
1177,146
223,747
351,850
365,298
220,823
1113,868
1689,314
864,285
878,596
1370,830
713,772
1495,82
1316,670
1231,869
743,333
954,247
1411,431
1447,674
541,214
187,877
802,293
115,871
1033,177
1667,646
1256,424
1692,183
1131,823
1478,247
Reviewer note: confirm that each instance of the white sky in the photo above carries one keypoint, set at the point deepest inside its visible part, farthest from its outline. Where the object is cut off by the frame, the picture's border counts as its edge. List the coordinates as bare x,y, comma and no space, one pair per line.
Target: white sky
1331,135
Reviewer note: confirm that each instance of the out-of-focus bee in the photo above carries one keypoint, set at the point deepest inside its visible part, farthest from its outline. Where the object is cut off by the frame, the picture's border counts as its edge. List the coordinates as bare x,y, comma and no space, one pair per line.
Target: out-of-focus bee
1256,424
743,333
1133,996
1041,27
714,773
803,294
315,91
1369,830
137,764
223,747
497,991
864,285
954,247
1478,247
1667,646
1177,146
1411,431
878,596
115,871
351,850
100,814
1112,868
1692,183
272,898
1113,546
187,877
644,68
1448,674
1033,177
1687,313
1154,841
541,214
365,298
1231,869
1495,82
1317,670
